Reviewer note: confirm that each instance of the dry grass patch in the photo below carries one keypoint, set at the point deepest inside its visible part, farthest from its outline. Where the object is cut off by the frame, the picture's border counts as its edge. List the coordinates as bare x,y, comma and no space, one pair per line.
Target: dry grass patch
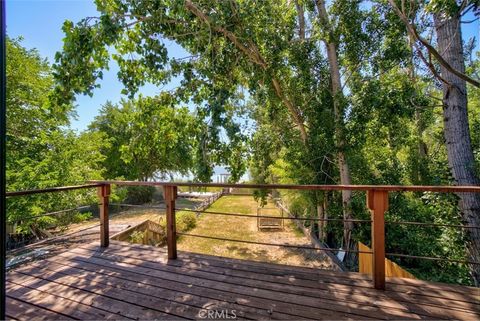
245,228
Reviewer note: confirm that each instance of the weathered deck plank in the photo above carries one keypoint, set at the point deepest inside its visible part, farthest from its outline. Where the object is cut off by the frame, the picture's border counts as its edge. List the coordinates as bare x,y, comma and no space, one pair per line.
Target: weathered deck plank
323,282
17,310
347,302
433,305
128,281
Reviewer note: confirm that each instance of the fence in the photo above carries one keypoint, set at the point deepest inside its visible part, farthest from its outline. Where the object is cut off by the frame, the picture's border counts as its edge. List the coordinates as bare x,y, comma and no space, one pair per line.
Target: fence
377,203
391,268
208,201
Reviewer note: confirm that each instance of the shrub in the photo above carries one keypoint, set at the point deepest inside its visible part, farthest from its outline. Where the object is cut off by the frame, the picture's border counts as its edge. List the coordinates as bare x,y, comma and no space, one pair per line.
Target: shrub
186,221
81,217
139,194
137,237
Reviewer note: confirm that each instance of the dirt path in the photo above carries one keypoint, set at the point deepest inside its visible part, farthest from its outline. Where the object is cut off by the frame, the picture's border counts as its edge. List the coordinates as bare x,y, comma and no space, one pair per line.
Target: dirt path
245,228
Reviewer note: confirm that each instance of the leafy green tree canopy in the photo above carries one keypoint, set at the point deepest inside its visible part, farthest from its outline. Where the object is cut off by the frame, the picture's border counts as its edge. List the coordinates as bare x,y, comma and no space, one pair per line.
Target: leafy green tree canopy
147,136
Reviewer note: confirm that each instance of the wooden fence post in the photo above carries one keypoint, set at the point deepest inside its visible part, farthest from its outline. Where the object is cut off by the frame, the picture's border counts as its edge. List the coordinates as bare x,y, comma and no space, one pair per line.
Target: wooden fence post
103,193
377,202
170,194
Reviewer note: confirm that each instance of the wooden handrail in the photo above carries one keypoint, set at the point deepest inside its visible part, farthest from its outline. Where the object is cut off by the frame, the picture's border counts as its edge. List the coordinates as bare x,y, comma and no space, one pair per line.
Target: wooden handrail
388,188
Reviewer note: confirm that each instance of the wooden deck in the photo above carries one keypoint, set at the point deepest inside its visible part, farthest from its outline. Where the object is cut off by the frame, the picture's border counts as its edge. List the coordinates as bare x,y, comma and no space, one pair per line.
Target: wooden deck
136,282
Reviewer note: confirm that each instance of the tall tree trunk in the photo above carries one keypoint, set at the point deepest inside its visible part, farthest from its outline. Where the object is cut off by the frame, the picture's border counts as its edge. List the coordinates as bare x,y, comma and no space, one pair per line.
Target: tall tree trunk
323,215
338,109
456,127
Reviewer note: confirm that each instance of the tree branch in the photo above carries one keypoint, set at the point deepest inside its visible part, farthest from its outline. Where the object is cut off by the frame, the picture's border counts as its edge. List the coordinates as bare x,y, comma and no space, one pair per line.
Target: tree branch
301,20
252,52
413,31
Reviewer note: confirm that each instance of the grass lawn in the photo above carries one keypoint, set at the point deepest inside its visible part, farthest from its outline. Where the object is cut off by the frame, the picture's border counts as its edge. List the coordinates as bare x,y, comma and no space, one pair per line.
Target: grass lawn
245,228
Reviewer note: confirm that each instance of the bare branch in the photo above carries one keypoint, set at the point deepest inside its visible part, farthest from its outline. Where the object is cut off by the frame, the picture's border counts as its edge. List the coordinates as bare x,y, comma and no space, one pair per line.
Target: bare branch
413,31
469,21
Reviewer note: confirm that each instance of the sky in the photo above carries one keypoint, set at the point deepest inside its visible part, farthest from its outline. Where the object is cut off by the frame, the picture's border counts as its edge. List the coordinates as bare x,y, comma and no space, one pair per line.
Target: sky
39,22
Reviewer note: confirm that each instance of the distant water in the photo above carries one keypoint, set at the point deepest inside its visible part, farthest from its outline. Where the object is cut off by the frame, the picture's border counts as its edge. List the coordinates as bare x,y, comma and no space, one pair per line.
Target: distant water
218,172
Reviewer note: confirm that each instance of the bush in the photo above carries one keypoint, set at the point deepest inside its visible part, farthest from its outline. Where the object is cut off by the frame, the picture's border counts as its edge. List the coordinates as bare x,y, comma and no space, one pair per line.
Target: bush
81,217
186,221
137,237
139,194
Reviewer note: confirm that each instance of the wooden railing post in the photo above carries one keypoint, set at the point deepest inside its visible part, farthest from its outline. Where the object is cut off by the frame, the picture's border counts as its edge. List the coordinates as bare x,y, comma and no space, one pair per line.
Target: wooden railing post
103,193
170,194
377,202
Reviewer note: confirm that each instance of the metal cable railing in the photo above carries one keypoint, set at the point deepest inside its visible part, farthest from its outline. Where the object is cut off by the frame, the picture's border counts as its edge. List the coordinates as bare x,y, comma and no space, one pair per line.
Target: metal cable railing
433,224
276,217
432,258
55,213
377,203
273,244
138,206
320,248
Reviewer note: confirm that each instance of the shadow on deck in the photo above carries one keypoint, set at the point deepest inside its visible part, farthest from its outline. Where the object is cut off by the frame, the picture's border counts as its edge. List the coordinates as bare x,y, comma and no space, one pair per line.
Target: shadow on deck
128,281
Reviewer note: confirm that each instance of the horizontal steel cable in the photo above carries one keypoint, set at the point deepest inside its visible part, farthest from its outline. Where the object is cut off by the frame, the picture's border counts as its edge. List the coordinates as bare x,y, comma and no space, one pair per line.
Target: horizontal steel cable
139,206
273,244
277,217
431,258
55,213
52,189
432,224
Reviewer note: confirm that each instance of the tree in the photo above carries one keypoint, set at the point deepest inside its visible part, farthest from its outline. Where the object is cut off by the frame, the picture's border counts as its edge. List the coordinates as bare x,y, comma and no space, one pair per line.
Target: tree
147,137
334,92
237,46
339,112
450,56
41,150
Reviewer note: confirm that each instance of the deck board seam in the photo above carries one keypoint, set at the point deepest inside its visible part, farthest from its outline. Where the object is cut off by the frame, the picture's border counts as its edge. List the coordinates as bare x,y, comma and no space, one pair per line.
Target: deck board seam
159,268
357,307
361,291
103,295
41,308
64,298
258,311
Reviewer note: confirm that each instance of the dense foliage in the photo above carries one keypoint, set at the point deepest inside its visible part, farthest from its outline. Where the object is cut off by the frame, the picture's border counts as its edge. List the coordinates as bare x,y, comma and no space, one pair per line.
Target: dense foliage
42,151
146,137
